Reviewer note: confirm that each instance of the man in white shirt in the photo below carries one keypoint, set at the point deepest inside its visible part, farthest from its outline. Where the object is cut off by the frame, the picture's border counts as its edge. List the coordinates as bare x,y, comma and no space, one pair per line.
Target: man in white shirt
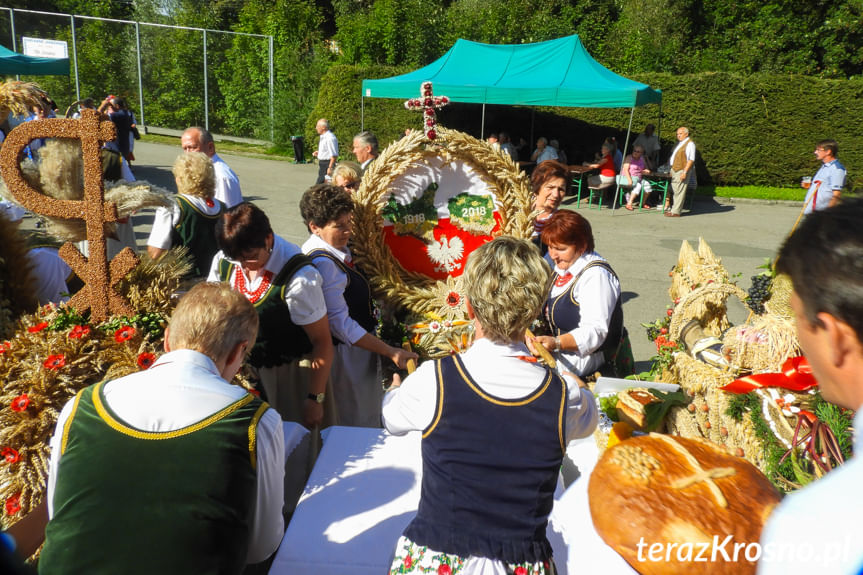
543,152
197,139
682,163
818,529
327,152
365,149
193,464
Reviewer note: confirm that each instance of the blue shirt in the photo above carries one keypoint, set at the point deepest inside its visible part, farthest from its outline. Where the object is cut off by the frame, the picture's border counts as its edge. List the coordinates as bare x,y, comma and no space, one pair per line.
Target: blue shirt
829,177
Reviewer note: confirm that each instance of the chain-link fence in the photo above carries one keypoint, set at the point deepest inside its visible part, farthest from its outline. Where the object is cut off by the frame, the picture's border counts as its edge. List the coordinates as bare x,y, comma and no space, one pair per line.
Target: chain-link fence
171,76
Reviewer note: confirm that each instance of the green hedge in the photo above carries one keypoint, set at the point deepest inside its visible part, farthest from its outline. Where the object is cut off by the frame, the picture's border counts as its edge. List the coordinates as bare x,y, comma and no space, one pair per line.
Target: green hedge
750,130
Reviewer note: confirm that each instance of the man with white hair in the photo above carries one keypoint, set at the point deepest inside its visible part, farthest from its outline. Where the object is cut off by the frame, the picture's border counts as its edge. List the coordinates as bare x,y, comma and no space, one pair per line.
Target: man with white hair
327,152
198,139
682,164
365,148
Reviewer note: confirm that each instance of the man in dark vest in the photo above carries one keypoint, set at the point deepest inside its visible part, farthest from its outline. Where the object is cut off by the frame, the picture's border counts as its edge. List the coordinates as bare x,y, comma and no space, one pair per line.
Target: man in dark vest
171,469
682,162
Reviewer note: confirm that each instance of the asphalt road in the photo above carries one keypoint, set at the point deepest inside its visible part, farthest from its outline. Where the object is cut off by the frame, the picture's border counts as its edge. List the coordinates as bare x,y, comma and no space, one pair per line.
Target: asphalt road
642,247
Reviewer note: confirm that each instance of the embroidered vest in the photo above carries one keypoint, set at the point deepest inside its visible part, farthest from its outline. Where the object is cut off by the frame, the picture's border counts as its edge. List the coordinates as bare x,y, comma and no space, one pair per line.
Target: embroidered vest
490,466
130,501
358,293
197,231
678,162
564,314
280,340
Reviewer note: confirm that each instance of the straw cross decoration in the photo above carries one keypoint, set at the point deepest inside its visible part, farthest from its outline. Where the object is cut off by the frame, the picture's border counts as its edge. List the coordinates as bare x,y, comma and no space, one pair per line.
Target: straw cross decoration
427,102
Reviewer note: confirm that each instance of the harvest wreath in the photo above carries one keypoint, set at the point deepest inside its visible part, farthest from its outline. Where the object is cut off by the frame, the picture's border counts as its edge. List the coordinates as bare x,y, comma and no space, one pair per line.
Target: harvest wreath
422,207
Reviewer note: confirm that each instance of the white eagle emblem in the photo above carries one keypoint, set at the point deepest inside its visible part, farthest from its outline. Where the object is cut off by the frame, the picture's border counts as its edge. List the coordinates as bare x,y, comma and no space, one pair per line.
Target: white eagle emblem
445,253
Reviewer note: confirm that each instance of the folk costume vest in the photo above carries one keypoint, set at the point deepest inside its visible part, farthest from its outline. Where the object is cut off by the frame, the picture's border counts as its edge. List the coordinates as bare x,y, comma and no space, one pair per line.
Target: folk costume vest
459,511
564,313
358,293
197,231
280,340
678,162
173,502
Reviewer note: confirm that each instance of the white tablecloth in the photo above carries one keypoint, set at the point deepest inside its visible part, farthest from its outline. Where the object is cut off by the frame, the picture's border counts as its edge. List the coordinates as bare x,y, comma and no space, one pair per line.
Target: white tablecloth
365,489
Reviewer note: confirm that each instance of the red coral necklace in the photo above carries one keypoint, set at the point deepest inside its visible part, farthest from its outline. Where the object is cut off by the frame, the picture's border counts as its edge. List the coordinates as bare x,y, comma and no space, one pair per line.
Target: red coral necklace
252,296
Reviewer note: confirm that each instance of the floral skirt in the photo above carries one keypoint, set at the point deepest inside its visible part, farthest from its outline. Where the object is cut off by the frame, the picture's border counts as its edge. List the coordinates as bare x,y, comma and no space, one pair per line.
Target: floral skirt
413,558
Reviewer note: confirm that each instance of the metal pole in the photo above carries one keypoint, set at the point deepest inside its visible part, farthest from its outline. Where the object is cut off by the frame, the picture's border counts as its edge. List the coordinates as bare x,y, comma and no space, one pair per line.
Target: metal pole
14,44
75,57
272,93
482,124
206,93
140,76
362,112
625,149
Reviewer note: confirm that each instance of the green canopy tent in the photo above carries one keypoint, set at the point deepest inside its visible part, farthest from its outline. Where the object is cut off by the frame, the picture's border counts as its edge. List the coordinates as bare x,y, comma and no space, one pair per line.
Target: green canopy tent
15,63
558,72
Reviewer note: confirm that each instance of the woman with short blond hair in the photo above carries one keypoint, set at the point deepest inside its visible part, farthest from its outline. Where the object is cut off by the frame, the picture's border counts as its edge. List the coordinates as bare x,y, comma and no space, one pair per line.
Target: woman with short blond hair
495,425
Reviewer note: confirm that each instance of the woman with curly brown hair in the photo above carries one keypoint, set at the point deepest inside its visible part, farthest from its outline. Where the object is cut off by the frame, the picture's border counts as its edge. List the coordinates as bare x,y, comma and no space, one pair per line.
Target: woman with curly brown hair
327,211
550,184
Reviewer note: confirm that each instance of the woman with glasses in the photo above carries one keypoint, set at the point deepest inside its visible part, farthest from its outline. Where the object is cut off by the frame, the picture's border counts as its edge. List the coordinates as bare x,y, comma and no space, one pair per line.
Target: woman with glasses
631,175
347,175
356,376
294,350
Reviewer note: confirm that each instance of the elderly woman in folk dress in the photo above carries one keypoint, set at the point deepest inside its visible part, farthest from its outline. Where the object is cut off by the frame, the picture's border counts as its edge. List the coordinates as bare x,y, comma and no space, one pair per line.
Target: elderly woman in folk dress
494,428
191,220
294,349
583,306
355,375
550,182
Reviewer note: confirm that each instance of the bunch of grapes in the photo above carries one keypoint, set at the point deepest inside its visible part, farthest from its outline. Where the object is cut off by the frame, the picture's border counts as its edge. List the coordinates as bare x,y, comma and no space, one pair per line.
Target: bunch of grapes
759,293
652,332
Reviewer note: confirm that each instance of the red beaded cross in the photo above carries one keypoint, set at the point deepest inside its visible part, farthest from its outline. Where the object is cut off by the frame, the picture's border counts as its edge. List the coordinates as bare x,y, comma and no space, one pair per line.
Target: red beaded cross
427,102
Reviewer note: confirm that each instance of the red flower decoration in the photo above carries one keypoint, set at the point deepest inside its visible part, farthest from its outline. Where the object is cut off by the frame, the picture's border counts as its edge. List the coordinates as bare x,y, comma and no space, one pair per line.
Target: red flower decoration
37,327
20,403
145,360
432,134
125,333
54,361
13,504
5,346
453,299
670,312
254,392
444,570
519,571
408,562
10,455
79,331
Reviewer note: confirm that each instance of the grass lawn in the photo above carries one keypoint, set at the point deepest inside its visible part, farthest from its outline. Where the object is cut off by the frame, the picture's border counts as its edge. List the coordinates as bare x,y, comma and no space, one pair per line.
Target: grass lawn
756,192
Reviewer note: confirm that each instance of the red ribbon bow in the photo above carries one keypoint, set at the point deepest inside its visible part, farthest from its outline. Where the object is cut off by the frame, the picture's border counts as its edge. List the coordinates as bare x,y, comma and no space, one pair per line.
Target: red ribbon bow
796,375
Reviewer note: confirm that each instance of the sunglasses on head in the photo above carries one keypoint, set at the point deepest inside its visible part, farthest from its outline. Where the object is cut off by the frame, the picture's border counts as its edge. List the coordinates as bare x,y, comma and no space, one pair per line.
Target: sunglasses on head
351,185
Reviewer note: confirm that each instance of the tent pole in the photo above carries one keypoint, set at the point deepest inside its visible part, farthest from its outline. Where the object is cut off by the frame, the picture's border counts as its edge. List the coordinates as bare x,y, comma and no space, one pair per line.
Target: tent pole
482,124
75,58
362,112
625,149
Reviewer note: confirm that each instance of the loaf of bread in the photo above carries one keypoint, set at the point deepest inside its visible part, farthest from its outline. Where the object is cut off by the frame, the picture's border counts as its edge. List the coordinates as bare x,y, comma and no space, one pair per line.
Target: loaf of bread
672,505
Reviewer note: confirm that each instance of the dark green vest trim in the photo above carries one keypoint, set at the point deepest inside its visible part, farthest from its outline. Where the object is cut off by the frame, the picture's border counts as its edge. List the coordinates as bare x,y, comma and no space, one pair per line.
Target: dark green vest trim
280,340
130,501
197,231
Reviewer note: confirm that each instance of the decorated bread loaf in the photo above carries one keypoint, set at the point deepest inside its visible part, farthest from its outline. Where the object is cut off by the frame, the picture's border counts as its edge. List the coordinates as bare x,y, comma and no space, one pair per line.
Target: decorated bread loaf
673,505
